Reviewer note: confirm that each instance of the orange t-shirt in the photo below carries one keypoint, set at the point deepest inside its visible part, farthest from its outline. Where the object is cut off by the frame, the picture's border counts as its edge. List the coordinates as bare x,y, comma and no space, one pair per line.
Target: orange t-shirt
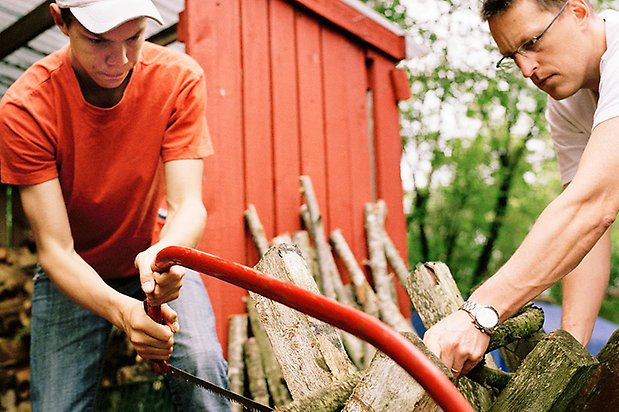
108,161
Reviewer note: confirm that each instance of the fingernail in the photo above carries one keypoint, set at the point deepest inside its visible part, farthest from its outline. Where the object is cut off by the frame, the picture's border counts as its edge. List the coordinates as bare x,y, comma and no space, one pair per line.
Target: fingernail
175,327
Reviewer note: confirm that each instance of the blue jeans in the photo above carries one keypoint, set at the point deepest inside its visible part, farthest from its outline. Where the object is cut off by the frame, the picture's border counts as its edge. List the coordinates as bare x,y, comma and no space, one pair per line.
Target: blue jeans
68,347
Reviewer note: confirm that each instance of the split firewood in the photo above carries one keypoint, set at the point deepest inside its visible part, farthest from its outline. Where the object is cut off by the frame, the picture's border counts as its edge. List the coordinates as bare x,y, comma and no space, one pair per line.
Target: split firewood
550,377
326,399
326,262
333,286
363,291
395,259
389,310
301,238
283,239
601,391
271,366
310,352
380,210
323,253
434,294
385,386
237,335
256,229
255,374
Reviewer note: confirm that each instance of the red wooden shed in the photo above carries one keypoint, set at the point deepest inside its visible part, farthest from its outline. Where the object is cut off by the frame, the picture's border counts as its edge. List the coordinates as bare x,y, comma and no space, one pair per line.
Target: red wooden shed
296,87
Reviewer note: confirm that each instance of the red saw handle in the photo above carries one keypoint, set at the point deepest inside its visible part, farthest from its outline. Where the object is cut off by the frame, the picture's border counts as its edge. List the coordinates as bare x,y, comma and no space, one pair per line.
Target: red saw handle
155,314
353,321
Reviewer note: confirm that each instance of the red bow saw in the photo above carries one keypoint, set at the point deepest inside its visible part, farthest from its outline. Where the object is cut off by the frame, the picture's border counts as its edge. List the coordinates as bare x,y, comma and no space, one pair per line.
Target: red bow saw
353,321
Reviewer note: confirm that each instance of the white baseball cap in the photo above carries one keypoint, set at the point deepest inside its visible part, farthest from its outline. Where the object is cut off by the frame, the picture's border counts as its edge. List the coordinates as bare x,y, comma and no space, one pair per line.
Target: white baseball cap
100,16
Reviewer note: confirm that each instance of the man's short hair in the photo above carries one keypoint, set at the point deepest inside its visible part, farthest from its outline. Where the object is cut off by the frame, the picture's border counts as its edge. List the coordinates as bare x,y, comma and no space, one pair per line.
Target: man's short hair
493,8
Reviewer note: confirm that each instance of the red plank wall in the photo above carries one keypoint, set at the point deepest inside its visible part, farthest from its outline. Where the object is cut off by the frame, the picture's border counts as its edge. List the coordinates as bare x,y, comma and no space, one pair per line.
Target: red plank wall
288,82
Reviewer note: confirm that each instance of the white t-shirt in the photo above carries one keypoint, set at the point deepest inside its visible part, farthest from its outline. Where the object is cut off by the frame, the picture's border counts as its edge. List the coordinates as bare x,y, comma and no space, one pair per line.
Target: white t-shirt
571,120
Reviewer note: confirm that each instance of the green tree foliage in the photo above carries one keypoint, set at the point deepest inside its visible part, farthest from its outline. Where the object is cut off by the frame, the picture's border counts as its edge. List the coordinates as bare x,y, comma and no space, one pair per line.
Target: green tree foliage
478,164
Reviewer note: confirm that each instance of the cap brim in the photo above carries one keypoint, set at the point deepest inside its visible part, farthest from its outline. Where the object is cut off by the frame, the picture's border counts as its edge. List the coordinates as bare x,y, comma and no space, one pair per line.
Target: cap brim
103,16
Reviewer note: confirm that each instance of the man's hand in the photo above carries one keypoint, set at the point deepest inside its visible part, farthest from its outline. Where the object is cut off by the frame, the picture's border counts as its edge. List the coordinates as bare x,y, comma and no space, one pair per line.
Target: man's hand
159,287
150,339
457,342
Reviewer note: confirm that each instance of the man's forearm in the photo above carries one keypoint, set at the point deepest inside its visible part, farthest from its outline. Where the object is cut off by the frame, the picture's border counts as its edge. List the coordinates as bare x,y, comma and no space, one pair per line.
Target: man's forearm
583,291
566,230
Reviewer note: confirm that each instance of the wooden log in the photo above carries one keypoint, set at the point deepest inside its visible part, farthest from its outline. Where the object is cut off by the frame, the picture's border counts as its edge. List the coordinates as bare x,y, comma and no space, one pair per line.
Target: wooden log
283,239
550,377
326,262
326,399
237,335
255,374
362,290
514,353
271,366
256,229
389,310
601,392
395,259
380,210
301,238
434,294
489,377
312,219
525,323
333,286
310,352
387,387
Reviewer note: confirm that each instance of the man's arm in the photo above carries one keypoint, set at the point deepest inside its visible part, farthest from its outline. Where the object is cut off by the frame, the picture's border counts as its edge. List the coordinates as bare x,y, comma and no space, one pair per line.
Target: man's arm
563,234
45,209
583,291
184,226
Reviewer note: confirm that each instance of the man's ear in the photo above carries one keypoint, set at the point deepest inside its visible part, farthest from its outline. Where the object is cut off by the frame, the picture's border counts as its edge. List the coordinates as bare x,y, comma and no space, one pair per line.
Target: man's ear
54,10
581,9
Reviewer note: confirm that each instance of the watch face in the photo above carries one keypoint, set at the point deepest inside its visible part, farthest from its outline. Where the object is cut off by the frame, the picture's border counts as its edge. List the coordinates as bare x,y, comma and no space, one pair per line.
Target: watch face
487,317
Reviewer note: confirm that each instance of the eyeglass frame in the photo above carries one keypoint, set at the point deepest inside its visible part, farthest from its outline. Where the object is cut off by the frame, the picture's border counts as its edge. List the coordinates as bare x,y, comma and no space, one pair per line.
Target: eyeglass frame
522,49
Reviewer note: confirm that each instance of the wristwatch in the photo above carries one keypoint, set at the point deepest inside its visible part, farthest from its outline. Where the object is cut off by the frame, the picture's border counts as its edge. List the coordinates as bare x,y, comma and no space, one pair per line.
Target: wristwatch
485,317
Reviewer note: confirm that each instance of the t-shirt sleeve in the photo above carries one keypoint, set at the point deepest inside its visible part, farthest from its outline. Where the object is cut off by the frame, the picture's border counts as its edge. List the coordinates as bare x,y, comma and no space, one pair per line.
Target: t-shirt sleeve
187,135
568,137
608,103
27,154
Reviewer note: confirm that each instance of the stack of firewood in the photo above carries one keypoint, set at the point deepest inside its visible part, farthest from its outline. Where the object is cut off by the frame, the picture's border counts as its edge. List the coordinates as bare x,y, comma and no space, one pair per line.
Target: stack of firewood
16,266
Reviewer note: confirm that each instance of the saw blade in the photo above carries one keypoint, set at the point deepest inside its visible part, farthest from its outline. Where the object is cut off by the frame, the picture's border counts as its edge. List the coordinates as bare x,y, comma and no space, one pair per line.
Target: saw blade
235,397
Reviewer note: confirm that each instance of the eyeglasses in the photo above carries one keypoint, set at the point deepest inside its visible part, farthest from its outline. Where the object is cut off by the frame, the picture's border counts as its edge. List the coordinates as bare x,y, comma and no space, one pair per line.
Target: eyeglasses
509,60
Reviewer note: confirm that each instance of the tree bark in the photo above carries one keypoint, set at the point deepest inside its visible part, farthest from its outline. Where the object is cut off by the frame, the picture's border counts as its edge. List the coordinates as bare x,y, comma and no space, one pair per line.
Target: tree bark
550,377
256,229
601,392
272,368
390,312
255,374
387,387
326,399
363,291
310,352
237,335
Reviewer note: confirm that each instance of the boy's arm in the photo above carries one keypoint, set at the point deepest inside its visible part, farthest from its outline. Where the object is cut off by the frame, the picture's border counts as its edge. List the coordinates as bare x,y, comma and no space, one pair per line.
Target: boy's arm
45,209
184,226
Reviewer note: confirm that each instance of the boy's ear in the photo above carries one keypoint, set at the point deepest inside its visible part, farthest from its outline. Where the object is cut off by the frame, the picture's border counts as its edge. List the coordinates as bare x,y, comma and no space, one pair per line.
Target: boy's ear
54,10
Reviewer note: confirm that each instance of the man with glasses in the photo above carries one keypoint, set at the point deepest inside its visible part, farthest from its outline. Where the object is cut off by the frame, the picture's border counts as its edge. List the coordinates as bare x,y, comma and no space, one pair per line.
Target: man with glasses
572,54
